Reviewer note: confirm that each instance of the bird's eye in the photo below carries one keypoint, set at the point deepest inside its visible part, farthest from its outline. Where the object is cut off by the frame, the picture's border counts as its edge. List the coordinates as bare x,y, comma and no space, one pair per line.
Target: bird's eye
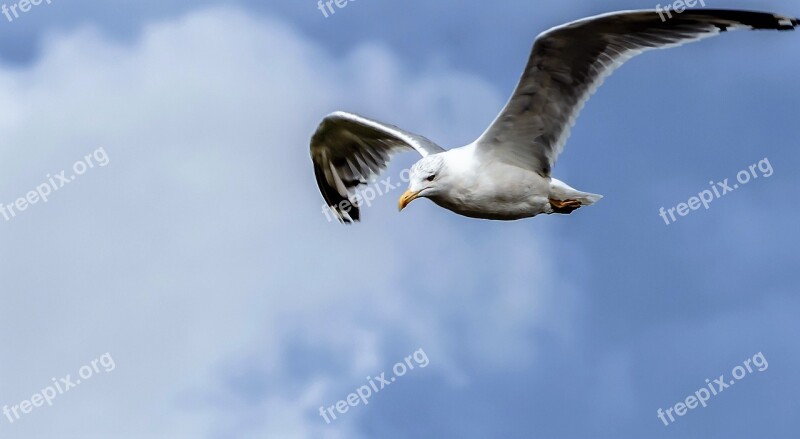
431,178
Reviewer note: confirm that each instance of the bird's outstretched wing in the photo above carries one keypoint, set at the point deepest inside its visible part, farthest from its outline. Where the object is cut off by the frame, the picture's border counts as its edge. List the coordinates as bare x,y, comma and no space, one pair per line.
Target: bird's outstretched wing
568,63
348,150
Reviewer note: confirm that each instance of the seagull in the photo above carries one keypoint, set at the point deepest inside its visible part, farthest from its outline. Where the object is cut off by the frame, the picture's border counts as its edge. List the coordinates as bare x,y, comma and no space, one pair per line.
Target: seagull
506,173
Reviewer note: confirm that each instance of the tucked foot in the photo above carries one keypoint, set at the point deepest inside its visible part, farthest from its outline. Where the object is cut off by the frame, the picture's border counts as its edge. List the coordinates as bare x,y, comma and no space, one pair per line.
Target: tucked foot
564,206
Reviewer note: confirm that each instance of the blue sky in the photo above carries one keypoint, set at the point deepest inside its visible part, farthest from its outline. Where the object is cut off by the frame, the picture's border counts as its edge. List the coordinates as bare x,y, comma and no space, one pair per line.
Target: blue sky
200,259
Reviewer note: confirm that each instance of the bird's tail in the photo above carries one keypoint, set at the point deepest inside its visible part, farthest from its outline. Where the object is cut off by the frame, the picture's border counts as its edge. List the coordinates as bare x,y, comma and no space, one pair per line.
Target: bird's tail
562,191
588,199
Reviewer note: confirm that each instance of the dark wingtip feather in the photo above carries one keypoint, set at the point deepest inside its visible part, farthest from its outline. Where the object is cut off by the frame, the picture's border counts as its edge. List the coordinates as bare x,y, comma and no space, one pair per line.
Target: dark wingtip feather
754,20
334,199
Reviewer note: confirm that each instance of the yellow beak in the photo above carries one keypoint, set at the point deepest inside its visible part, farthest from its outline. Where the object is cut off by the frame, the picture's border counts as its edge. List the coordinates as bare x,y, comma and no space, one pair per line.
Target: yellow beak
407,197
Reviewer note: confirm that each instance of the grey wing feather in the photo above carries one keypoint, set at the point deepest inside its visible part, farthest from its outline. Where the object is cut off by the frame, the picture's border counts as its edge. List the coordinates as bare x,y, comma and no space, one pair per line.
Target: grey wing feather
568,63
349,150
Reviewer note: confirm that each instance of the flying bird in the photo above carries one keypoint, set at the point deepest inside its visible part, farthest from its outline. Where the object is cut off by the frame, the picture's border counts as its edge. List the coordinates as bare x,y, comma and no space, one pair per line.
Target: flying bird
506,173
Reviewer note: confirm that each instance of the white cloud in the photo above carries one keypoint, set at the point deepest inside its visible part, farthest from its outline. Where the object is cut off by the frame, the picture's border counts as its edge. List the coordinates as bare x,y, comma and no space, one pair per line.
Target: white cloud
199,255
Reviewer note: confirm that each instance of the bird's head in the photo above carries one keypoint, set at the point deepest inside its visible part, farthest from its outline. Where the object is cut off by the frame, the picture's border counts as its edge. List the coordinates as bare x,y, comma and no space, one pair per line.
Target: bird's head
425,179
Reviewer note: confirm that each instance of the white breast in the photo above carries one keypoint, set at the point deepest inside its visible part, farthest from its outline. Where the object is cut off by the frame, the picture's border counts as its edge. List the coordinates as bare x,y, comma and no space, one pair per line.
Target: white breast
491,189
